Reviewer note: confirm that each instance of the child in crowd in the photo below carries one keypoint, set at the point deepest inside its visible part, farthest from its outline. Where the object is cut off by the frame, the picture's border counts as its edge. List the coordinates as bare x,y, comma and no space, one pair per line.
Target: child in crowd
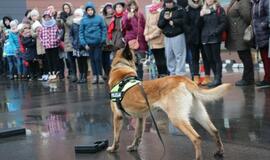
92,36
78,49
50,40
30,55
11,48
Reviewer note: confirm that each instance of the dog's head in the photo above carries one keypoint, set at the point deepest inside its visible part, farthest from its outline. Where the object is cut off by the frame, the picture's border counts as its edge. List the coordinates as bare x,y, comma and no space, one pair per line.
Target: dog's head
124,57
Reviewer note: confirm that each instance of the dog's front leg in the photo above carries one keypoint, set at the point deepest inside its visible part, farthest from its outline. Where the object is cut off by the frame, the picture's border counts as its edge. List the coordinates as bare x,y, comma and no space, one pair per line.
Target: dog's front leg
117,127
138,135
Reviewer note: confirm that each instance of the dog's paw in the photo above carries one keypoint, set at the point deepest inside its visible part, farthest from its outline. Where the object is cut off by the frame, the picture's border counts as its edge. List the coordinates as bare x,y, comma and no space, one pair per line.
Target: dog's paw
219,154
111,149
132,148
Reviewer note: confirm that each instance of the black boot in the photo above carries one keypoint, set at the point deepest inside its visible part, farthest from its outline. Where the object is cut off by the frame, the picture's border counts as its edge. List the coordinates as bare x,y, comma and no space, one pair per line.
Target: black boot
73,78
83,80
80,79
215,83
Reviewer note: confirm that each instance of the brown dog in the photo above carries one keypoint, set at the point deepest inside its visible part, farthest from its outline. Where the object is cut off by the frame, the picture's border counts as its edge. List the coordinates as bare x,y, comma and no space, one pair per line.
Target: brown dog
178,96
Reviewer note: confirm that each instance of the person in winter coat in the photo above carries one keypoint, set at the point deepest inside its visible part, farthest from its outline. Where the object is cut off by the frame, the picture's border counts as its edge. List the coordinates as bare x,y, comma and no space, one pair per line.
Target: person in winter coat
182,3
239,18
6,22
107,13
115,34
78,50
35,28
30,55
194,41
213,22
173,23
93,33
260,15
155,37
50,40
11,48
2,41
66,17
133,25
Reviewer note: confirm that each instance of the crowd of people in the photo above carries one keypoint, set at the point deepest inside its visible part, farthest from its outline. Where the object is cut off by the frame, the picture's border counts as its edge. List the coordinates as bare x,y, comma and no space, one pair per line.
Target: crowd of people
175,32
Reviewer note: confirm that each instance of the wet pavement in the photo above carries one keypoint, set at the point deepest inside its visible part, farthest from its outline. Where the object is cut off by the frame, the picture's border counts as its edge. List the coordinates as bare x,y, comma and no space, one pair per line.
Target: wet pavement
59,116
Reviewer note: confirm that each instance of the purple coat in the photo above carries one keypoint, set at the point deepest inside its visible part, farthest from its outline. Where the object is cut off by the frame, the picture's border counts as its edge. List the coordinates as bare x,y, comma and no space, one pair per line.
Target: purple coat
131,30
260,16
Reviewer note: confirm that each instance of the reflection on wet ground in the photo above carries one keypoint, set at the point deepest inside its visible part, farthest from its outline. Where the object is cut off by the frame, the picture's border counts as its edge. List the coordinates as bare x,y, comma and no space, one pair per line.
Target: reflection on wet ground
58,116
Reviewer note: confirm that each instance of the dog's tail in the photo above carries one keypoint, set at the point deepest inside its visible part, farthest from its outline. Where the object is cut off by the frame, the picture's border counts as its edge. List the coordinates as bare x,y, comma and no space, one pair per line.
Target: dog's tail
213,94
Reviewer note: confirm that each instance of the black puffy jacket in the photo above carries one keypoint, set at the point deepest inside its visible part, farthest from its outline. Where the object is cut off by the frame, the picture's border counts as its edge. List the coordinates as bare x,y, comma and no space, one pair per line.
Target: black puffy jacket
178,16
213,25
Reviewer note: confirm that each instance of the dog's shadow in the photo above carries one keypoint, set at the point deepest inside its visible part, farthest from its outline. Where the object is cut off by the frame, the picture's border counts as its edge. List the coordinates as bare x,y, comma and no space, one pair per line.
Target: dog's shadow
116,156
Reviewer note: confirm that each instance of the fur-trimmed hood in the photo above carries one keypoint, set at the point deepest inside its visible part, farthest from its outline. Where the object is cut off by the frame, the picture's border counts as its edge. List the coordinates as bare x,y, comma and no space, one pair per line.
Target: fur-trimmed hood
193,5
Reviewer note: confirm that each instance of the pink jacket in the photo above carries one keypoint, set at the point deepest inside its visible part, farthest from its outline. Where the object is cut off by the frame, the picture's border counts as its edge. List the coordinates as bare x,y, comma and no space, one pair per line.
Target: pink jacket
49,37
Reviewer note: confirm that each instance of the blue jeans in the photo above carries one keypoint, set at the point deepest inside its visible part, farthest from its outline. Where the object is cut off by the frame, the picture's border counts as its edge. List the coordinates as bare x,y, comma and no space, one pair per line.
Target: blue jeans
95,57
20,67
11,65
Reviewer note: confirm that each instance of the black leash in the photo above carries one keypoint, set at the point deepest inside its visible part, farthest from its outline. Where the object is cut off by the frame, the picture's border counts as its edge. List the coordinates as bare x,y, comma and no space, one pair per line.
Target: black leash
153,119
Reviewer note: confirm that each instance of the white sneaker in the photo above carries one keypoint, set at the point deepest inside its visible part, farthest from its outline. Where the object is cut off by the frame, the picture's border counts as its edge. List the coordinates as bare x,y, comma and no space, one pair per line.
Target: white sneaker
100,80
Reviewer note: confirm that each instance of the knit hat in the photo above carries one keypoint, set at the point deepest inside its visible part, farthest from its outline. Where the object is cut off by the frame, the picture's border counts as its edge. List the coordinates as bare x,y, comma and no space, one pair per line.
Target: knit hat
34,12
105,7
47,13
79,11
14,23
21,26
36,25
122,3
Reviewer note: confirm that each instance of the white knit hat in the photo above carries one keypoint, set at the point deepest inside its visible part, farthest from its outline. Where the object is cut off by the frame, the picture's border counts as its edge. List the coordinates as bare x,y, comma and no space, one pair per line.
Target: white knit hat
34,12
21,26
79,11
14,23
36,25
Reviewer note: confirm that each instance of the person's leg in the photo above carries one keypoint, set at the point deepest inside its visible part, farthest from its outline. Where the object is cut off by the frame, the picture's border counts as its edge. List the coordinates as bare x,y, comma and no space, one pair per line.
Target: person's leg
215,49
55,60
195,51
180,53
248,73
217,59
10,66
207,68
93,66
170,58
266,63
106,63
72,66
19,66
160,59
206,64
1,61
98,63
49,61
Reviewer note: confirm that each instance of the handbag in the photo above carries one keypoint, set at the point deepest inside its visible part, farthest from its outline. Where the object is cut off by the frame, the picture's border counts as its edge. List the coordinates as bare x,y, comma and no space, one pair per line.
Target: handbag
248,35
134,43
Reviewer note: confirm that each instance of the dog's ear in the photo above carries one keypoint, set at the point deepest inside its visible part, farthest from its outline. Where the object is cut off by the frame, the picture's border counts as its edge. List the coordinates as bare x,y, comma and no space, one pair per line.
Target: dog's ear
127,54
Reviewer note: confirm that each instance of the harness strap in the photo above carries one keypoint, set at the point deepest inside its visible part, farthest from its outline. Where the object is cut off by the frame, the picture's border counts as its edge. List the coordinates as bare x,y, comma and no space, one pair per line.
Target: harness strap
152,117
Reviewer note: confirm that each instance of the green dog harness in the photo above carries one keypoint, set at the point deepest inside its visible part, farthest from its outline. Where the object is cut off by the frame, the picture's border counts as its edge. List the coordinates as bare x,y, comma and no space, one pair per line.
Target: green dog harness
119,90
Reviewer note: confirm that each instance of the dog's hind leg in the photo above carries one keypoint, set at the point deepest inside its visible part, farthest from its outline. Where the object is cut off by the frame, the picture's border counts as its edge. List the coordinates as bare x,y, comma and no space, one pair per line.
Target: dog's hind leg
117,127
188,130
200,114
138,135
